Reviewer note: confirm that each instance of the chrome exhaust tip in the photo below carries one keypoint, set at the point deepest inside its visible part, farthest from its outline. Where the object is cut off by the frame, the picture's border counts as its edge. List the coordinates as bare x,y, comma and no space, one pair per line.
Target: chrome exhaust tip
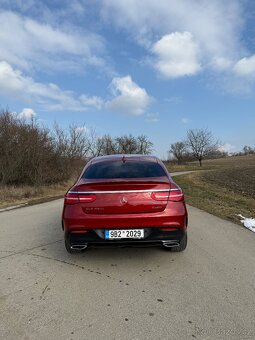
170,244
79,246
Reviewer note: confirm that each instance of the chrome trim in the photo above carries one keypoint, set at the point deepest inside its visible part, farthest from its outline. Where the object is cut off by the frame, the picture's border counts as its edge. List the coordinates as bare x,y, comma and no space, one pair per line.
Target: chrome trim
120,191
79,246
170,244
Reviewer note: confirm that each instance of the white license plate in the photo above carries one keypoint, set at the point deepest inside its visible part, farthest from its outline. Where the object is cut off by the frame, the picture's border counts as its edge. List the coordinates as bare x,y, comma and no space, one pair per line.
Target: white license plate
124,233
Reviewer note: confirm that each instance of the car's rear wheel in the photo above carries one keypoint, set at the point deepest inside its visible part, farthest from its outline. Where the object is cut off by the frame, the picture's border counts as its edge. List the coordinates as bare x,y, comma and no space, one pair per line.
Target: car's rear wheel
181,247
69,249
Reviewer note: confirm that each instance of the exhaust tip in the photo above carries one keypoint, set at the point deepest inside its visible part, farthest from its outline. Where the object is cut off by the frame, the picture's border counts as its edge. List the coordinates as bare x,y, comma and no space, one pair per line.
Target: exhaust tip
170,244
79,246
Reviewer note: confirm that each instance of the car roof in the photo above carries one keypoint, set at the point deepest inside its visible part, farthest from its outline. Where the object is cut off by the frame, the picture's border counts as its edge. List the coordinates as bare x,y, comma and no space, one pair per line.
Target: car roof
138,157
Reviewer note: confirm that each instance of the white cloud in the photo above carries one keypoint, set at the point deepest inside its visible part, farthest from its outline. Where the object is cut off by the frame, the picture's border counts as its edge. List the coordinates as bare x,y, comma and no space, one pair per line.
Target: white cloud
93,101
81,129
216,26
30,44
227,147
129,97
245,66
177,55
221,64
27,113
14,83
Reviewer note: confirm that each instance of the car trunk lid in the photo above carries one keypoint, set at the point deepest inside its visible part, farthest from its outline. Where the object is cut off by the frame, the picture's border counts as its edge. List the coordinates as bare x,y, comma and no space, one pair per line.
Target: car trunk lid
123,197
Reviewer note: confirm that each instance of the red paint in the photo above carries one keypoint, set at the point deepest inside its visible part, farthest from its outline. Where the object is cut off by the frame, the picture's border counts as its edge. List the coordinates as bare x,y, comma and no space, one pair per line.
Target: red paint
124,203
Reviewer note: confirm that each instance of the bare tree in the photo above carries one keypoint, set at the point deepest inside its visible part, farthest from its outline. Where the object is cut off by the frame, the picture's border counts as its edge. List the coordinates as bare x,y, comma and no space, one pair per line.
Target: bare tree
126,144
178,150
248,150
144,145
103,145
201,143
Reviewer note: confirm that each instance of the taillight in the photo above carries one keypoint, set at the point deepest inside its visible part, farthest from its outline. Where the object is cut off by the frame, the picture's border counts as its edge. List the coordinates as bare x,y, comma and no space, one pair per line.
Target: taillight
71,198
87,198
74,198
160,195
176,195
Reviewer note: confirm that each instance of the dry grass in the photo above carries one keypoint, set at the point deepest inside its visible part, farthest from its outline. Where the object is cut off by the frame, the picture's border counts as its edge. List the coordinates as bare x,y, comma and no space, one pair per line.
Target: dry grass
225,187
225,201
14,195
211,164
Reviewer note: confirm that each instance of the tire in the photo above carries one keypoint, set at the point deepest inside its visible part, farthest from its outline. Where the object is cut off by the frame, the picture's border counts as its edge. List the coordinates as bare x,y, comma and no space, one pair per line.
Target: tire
181,247
68,248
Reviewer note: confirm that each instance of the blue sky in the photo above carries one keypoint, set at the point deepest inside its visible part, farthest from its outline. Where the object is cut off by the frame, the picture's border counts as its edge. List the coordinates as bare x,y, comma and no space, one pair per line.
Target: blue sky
147,67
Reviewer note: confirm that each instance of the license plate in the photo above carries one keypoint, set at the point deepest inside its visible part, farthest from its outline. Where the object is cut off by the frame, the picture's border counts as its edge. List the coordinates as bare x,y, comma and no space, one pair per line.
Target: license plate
124,233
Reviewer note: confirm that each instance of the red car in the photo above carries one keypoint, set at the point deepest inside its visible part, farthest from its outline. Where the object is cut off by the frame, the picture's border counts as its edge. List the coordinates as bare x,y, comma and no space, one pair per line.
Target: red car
125,200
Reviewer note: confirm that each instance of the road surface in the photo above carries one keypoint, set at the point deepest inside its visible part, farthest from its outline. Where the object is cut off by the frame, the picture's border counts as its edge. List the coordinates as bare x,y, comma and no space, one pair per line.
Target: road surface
179,173
206,292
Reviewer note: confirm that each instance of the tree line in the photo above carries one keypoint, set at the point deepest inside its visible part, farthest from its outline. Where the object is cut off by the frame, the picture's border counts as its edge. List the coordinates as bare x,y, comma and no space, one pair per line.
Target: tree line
35,155
198,145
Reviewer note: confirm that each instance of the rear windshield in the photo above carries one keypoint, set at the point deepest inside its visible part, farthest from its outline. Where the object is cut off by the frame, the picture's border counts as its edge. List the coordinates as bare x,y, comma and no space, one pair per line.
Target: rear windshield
119,169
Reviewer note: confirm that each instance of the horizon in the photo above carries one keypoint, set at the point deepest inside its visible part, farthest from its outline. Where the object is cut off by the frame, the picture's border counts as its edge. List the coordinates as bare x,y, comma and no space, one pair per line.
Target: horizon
157,69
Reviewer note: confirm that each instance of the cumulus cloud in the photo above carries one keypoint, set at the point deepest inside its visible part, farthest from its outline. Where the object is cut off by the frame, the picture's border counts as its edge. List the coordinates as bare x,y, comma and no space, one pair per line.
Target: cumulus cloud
30,44
177,55
215,26
14,83
27,113
129,98
245,67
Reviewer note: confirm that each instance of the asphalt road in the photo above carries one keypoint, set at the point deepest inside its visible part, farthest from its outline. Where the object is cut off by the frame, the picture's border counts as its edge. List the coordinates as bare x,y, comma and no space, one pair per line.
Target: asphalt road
206,292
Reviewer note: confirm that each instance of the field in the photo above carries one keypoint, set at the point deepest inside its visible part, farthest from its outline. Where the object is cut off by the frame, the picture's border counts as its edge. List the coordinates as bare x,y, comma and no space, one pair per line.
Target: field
226,191
213,164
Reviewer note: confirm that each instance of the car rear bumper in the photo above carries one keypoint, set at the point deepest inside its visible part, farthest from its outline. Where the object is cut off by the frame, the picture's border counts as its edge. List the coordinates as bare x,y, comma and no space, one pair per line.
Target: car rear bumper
153,236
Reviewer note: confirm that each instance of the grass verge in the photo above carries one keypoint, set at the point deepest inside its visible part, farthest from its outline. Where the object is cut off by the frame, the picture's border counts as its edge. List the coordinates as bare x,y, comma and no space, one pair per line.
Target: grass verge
210,195
15,195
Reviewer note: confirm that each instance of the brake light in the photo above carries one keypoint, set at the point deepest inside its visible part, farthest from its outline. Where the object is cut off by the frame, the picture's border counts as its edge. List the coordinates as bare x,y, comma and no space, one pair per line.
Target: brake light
176,195
87,198
74,198
160,195
71,198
